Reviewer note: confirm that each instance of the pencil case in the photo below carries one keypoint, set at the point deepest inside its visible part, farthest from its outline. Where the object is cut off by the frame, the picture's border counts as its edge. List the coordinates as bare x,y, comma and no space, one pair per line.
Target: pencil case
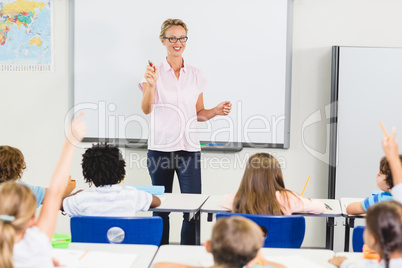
61,241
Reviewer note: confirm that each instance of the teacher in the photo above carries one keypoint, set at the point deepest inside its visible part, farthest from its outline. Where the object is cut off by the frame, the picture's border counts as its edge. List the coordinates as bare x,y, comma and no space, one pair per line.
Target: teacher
173,95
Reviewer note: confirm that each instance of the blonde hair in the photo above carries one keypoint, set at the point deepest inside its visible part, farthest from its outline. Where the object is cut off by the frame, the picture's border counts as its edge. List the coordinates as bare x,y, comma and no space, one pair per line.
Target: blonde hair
12,163
235,241
169,23
18,201
257,191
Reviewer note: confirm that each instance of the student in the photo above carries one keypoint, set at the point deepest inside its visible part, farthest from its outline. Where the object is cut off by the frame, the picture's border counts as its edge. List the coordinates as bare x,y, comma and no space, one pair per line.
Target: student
25,242
384,183
12,165
104,166
383,234
235,242
391,151
262,191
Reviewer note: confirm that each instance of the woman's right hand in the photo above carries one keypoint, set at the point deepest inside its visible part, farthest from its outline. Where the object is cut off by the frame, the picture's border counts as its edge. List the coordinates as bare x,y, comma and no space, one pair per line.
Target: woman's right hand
151,75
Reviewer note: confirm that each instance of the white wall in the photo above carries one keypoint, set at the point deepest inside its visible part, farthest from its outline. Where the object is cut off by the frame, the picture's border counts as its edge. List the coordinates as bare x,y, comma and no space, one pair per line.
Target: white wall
34,105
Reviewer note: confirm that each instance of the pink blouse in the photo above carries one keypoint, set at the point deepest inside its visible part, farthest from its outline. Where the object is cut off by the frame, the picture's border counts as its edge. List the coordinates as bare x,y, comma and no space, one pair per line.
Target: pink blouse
173,124
296,204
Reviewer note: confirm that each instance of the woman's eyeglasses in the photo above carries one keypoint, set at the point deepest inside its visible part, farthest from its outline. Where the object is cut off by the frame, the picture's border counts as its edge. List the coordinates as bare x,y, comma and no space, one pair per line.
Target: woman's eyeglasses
174,39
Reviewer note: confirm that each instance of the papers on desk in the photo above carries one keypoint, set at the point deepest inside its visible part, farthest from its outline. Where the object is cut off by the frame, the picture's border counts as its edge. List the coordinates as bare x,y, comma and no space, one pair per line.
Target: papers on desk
152,189
69,258
293,261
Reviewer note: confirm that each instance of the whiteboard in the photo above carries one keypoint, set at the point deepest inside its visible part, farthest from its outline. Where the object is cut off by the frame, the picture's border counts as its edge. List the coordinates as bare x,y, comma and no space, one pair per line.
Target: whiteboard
368,89
242,47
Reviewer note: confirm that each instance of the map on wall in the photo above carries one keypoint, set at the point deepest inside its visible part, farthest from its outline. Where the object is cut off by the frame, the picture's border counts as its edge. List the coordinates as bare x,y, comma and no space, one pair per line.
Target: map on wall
26,36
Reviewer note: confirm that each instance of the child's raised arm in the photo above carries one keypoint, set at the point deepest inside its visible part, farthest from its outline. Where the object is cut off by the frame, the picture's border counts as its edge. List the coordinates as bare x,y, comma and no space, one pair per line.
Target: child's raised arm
52,202
390,146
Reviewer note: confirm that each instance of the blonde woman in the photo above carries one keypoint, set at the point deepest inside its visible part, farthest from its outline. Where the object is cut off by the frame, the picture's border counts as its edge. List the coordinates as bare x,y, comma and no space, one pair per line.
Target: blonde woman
173,94
262,191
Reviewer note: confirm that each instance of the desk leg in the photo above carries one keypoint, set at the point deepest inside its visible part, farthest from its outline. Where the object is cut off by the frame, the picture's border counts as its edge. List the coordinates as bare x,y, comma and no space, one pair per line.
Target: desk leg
210,215
347,235
329,241
349,224
197,218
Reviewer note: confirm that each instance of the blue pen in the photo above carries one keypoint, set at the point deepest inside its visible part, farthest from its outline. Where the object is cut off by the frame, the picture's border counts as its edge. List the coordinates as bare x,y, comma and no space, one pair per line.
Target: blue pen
214,144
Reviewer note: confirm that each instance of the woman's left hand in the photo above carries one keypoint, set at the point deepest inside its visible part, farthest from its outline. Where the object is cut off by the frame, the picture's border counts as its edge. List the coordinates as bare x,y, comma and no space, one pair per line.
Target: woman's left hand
223,108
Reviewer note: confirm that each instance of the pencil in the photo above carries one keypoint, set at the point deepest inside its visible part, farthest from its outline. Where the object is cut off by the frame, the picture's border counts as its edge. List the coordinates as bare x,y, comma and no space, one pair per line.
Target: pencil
384,130
83,255
305,184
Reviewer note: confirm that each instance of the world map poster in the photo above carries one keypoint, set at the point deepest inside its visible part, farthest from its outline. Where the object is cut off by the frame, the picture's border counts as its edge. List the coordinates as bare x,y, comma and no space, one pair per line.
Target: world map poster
26,41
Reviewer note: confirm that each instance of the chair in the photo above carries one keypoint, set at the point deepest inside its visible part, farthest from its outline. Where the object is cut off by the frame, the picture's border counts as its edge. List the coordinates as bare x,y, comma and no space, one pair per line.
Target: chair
280,231
357,238
123,230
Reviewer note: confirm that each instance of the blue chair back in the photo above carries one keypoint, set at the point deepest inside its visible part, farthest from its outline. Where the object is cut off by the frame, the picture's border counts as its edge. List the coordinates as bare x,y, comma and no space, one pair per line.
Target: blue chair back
357,238
130,230
280,231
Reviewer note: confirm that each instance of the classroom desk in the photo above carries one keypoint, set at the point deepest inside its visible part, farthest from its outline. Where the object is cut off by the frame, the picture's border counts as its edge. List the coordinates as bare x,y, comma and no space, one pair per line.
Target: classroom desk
187,203
198,256
349,219
212,206
291,257
333,210
355,257
145,253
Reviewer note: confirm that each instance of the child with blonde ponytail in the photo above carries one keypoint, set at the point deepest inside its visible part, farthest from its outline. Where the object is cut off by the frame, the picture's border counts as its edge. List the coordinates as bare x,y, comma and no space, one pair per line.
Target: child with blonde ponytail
17,200
25,242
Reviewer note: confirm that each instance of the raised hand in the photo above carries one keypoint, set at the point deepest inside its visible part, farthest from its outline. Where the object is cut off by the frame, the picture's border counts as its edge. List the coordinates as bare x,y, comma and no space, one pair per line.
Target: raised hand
78,130
151,75
390,146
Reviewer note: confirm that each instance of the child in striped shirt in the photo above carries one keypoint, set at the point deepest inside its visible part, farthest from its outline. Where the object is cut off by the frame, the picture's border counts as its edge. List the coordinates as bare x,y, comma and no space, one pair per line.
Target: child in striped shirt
384,183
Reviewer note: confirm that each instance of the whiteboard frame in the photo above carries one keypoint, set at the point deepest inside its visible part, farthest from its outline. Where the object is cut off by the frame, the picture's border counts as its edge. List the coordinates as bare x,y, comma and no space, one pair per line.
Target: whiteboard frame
231,146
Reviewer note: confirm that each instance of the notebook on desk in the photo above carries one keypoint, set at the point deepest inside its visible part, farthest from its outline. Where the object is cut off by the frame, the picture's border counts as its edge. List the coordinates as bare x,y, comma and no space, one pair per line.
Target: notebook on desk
87,259
152,189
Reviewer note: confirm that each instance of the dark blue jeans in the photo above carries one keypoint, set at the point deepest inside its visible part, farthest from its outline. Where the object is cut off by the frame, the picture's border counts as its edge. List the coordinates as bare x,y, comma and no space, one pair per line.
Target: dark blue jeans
161,167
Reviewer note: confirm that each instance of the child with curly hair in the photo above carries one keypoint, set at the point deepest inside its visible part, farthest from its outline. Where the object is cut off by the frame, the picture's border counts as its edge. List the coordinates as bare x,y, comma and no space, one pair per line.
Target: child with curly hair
104,166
